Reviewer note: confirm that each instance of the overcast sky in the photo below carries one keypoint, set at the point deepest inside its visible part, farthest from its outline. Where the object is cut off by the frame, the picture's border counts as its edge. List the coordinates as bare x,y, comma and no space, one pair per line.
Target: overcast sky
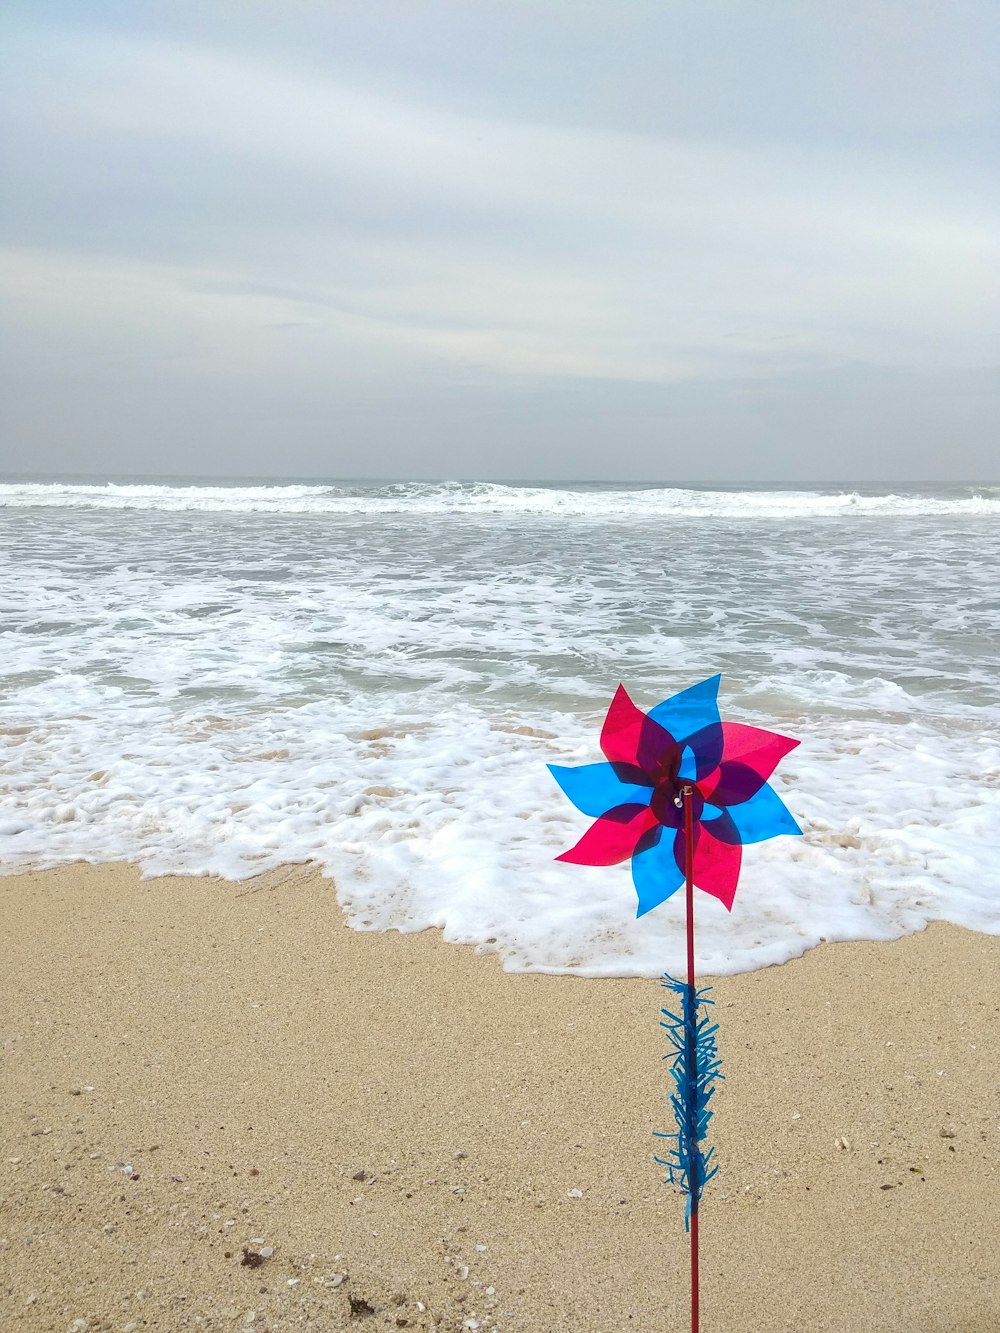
740,239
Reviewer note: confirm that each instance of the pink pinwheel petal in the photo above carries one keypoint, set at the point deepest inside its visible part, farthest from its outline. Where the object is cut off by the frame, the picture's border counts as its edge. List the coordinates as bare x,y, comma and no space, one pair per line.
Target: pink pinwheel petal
631,738
612,838
758,749
622,729
717,866
749,757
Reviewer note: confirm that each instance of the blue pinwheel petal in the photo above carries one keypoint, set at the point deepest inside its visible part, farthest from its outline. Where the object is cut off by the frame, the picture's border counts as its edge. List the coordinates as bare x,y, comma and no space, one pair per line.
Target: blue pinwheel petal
687,770
763,816
597,788
655,872
692,710
710,812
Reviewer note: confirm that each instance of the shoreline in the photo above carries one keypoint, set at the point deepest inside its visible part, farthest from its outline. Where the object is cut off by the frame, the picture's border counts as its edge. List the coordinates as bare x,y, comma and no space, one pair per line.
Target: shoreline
247,1055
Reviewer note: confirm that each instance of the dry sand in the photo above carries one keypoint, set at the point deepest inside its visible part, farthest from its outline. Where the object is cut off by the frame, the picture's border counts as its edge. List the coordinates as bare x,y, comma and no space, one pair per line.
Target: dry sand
195,1069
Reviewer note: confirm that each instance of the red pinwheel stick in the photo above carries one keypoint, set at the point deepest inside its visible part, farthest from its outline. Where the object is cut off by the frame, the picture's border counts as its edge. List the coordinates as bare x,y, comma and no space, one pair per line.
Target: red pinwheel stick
687,792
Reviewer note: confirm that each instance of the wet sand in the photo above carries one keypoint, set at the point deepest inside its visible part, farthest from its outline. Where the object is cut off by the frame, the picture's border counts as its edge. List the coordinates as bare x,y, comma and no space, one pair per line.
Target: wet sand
197,1073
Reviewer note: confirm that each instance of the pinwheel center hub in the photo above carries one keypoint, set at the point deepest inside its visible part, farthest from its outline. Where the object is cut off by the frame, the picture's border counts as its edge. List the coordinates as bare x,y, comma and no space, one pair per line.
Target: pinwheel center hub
667,801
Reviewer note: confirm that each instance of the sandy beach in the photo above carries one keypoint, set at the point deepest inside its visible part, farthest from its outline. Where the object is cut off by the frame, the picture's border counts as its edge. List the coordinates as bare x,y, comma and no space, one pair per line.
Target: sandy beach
222,1108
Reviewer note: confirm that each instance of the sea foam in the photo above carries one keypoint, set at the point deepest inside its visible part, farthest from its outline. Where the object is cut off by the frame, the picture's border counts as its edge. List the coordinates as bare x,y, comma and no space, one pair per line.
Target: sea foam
221,690
492,498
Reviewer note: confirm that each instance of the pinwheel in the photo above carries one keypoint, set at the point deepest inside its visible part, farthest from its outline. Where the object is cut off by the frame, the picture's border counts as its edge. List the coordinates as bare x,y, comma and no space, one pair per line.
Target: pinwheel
637,796
680,794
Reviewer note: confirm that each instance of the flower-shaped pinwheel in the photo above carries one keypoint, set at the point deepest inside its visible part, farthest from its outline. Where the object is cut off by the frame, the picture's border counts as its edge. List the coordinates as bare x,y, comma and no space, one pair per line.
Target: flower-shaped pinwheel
635,796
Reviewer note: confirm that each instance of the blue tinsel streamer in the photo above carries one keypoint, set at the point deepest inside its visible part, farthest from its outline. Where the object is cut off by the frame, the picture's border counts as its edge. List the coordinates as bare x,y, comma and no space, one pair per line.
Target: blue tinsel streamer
695,1068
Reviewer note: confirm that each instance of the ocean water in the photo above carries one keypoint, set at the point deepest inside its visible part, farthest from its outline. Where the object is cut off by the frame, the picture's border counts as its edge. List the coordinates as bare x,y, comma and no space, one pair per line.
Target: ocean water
221,678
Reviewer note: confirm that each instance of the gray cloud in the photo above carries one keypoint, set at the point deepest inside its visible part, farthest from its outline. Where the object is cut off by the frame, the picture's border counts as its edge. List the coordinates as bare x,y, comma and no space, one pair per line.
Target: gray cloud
521,240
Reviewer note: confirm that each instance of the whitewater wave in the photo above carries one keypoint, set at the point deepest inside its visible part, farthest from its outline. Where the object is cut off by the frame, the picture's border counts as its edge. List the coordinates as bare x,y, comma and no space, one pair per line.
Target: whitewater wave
495,498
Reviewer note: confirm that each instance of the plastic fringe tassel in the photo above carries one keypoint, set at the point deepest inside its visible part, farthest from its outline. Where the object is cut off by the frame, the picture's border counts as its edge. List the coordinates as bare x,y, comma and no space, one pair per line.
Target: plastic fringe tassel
695,1068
